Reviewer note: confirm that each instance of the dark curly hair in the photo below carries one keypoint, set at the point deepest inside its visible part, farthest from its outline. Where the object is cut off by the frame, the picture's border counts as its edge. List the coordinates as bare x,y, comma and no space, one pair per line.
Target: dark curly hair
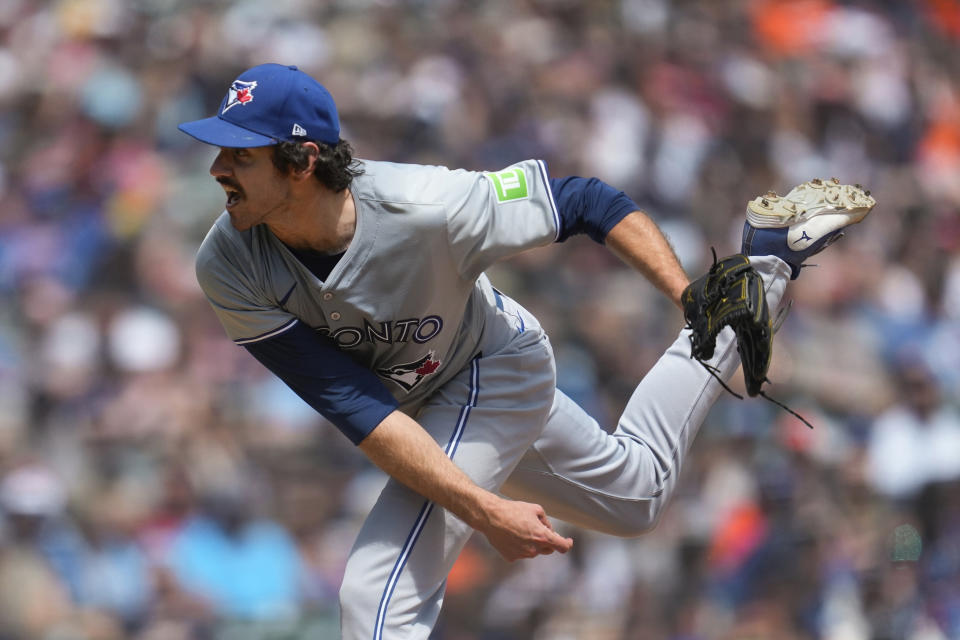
335,168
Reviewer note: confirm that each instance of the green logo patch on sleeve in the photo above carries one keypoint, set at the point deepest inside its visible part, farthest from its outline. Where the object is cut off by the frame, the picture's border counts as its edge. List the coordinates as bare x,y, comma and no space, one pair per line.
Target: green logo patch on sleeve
509,185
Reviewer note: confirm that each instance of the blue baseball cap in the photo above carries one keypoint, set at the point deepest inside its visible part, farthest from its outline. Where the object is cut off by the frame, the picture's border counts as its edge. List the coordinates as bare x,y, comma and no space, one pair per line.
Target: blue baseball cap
267,104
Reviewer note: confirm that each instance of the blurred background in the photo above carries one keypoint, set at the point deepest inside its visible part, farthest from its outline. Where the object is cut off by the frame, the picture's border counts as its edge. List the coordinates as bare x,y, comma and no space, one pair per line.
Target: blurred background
157,483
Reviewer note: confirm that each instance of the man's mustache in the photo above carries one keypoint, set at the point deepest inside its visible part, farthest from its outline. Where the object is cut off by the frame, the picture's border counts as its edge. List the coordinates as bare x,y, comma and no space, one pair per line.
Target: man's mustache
229,183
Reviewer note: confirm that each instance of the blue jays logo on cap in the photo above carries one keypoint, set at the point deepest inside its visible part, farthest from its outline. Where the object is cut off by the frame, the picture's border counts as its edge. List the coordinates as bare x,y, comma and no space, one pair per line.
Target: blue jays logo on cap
276,103
240,93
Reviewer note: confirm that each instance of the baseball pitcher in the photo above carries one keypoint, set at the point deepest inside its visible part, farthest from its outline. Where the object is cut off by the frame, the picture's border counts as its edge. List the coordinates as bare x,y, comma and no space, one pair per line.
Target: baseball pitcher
361,284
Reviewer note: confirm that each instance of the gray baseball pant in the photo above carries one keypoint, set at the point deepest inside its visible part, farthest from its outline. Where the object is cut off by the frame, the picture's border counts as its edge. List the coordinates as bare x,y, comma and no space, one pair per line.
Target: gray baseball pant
504,423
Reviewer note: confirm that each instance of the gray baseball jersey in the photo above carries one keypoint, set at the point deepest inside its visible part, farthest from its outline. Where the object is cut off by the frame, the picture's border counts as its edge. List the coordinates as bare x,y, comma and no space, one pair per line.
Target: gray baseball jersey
408,299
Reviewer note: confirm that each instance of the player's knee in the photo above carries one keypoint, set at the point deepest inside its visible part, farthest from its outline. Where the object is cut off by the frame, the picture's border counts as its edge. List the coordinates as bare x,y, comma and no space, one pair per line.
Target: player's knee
637,519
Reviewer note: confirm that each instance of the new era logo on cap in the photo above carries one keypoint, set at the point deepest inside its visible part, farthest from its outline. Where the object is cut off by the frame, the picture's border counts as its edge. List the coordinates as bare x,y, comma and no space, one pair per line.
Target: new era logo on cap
277,103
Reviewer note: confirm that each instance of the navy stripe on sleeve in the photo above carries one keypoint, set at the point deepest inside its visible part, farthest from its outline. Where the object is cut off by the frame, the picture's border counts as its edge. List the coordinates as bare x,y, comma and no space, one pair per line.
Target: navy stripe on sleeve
545,177
589,205
269,334
350,396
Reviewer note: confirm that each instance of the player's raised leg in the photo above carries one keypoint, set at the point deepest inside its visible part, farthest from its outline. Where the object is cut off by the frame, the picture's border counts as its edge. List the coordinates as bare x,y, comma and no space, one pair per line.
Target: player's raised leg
620,482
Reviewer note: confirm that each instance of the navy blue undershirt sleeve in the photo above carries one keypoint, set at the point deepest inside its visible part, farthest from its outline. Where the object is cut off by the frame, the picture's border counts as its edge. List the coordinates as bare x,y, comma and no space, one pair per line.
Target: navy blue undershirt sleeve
350,396
588,205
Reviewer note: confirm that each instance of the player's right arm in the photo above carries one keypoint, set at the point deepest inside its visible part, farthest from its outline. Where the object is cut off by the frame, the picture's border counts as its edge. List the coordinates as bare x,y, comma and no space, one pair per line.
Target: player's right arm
355,400
404,450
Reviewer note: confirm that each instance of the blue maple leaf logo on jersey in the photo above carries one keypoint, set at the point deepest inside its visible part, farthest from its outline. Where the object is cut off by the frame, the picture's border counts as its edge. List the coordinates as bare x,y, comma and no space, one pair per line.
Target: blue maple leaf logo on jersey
410,374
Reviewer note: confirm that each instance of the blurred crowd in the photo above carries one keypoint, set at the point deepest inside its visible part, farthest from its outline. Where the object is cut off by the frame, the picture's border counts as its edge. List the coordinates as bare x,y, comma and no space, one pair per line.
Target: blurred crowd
157,483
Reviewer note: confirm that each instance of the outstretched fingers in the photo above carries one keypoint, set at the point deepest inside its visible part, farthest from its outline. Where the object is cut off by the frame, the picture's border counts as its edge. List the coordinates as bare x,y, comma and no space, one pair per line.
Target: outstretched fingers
555,542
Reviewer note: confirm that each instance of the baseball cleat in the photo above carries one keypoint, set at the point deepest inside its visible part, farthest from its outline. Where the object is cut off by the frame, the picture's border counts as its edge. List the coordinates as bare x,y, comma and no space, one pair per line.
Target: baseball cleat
804,222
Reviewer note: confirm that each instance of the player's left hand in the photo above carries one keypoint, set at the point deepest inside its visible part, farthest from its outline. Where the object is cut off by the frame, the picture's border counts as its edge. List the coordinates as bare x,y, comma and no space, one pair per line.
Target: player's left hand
521,530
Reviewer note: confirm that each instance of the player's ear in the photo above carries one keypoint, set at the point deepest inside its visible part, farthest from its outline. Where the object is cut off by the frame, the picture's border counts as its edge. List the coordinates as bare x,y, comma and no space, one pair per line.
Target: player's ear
312,153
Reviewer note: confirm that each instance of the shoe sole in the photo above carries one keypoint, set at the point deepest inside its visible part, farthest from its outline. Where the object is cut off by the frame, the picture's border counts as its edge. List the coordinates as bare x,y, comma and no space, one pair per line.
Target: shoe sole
811,210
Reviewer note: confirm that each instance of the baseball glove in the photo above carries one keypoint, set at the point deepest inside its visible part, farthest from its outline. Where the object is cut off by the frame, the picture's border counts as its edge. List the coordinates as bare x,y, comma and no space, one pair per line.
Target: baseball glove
731,294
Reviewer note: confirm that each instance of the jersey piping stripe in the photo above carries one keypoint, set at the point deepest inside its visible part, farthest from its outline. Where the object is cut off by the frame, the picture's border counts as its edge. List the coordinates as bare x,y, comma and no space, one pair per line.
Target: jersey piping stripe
268,334
289,293
544,177
427,507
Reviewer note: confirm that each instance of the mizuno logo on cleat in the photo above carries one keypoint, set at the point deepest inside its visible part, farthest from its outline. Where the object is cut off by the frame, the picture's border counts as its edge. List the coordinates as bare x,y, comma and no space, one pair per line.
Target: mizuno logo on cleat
804,236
